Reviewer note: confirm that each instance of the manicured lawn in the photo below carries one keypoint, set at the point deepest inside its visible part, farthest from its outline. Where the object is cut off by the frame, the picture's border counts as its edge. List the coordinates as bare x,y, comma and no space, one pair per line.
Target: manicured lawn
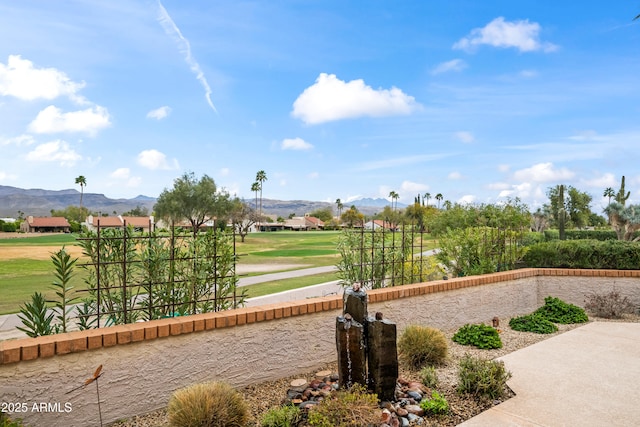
20,278
288,284
59,239
311,248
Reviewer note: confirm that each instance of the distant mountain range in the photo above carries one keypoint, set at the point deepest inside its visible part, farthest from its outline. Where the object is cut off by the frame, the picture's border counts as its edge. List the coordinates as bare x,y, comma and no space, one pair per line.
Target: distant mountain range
39,202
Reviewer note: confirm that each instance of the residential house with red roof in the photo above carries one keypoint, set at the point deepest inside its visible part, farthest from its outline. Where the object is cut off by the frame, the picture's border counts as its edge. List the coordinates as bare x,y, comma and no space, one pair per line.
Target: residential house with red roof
55,224
140,223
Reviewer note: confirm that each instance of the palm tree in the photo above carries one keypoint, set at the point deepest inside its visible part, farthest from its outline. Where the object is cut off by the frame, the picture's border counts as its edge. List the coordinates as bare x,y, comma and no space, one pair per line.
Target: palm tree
394,196
426,197
439,199
261,177
255,187
609,192
339,205
82,181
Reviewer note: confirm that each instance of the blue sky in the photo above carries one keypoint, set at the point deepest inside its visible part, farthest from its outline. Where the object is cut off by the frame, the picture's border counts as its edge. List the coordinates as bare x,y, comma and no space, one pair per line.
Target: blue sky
476,100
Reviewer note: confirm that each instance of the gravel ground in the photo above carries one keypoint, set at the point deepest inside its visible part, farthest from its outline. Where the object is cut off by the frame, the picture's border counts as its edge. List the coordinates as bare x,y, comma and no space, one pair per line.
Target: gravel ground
263,396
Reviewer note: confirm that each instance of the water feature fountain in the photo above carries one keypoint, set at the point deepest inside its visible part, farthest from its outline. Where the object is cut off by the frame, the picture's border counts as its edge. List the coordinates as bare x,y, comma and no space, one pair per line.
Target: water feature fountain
367,352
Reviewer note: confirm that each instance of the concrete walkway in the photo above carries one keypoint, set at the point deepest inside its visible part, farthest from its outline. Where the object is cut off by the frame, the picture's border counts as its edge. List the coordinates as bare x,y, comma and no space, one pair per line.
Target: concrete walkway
589,376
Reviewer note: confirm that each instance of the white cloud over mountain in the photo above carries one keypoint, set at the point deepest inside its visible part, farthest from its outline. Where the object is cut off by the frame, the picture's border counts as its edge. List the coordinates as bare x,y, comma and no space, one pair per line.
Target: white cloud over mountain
57,151
156,160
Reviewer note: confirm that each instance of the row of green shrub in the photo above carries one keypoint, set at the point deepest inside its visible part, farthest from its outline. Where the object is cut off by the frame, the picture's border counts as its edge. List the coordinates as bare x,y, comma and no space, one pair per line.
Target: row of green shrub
609,254
550,235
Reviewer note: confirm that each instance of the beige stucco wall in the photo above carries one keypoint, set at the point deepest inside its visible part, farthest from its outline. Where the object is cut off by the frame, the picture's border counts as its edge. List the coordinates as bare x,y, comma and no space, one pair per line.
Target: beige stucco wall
140,377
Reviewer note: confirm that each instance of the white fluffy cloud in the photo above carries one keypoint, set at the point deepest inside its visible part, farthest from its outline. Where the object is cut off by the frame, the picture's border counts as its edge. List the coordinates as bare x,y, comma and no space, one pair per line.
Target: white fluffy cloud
159,113
465,137
411,189
53,120
295,144
603,181
467,199
120,173
330,98
154,160
522,35
453,65
20,79
455,176
124,175
54,151
543,172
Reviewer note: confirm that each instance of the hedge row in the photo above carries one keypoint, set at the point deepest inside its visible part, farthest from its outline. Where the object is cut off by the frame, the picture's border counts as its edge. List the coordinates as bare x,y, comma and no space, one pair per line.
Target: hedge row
550,235
609,254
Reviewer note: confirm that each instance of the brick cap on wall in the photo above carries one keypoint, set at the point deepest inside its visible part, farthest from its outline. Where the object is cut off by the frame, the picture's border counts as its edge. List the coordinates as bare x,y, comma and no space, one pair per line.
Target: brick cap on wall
25,349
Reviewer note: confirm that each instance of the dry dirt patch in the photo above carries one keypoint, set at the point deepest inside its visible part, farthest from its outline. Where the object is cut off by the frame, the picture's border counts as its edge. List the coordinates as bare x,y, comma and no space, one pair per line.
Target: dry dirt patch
36,252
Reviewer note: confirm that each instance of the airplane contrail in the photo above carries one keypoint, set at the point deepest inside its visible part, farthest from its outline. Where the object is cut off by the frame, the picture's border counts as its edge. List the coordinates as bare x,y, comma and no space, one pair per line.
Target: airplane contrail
172,29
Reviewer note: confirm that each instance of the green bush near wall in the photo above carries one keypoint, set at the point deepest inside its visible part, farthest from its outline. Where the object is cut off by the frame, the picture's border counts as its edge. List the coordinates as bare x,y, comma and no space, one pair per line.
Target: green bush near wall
590,254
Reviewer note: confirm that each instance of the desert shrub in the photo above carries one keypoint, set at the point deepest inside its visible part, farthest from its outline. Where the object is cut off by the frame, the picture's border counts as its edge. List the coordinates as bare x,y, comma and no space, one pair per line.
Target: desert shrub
588,254
422,345
429,376
532,323
610,305
283,416
214,404
481,336
354,407
480,377
480,250
557,311
437,405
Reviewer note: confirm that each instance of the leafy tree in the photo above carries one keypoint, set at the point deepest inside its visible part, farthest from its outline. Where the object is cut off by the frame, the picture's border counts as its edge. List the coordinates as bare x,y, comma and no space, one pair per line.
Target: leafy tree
83,182
72,213
389,215
137,211
261,177
196,201
569,201
512,214
243,217
352,217
324,214
480,250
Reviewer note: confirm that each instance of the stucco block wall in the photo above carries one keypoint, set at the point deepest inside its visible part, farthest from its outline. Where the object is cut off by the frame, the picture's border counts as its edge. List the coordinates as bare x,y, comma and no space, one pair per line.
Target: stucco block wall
144,363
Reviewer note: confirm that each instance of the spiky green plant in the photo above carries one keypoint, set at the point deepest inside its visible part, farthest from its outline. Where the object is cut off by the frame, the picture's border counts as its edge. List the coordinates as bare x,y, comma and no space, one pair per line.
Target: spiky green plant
64,271
35,318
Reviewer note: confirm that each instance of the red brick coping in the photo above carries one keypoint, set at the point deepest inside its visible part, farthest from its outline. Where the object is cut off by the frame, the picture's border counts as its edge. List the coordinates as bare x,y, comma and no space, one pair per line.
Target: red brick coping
25,349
